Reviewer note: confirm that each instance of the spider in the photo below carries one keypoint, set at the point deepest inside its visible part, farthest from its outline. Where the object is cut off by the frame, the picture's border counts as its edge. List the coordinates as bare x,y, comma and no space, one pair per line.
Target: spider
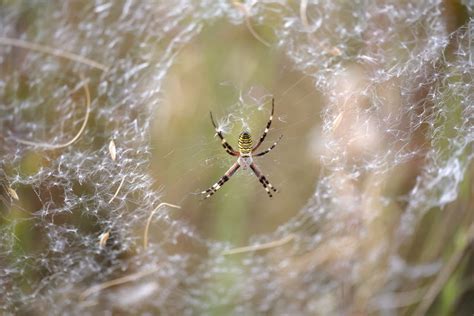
245,154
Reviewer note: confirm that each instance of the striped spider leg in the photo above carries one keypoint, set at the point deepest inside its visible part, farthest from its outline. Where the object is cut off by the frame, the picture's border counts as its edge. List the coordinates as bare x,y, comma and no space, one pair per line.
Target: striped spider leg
267,128
266,184
245,155
269,149
221,181
228,148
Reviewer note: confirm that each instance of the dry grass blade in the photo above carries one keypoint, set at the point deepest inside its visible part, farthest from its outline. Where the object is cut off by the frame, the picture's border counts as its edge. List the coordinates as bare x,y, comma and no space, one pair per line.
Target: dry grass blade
337,121
57,146
118,190
115,282
444,275
269,245
52,51
145,234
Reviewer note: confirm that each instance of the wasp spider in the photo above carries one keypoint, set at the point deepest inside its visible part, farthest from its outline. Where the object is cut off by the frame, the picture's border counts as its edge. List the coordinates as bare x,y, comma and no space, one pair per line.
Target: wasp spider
245,154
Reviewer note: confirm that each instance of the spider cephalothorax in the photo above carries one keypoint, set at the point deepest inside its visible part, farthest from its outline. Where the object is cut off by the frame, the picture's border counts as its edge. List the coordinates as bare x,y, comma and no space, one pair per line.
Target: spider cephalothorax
245,154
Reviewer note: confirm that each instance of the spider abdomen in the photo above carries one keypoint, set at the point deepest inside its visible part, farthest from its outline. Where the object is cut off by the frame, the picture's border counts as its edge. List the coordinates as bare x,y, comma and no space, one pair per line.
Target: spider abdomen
245,143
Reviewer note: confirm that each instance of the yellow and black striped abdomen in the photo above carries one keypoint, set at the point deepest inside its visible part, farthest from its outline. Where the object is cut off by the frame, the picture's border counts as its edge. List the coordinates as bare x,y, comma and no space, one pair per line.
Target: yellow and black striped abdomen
245,143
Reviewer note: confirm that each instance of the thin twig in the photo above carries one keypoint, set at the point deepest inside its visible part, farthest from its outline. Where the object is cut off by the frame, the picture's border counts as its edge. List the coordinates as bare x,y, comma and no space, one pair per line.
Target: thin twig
52,51
118,189
114,282
56,146
444,275
145,234
272,244
246,12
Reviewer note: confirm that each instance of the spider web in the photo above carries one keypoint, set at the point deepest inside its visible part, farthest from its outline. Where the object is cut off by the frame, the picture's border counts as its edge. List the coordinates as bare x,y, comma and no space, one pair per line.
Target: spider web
387,130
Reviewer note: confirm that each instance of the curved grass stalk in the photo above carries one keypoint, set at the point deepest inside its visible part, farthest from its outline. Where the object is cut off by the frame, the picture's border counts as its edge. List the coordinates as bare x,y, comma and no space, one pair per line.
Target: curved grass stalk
246,12
303,16
117,191
56,146
145,234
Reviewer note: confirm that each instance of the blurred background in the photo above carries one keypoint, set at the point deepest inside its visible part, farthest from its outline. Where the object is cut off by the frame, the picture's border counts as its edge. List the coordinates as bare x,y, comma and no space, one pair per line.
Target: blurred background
104,116
237,85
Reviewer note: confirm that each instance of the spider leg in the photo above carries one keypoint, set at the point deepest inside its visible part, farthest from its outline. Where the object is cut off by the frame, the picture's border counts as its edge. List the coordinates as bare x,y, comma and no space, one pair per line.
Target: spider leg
228,148
222,180
266,184
269,149
265,132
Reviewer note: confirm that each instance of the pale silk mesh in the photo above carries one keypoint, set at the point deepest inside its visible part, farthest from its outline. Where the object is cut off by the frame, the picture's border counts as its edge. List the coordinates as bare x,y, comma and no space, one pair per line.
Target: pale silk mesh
397,80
